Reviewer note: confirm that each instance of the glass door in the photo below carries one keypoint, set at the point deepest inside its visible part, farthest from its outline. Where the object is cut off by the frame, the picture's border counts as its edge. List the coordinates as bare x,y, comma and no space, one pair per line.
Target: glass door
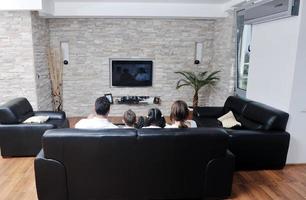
244,36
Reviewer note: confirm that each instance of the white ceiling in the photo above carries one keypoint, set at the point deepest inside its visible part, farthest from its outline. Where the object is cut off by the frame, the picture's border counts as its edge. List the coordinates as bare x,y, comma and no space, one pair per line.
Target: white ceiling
152,1
137,8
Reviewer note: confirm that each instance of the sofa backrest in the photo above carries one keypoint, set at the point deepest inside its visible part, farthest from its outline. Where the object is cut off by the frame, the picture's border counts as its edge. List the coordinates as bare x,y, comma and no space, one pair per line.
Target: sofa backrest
112,164
260,116
254,115
175,160
236,105
15,111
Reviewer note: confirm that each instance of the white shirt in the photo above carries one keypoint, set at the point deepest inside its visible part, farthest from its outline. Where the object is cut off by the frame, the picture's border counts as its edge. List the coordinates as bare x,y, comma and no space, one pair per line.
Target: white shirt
189,123
94,123
152,126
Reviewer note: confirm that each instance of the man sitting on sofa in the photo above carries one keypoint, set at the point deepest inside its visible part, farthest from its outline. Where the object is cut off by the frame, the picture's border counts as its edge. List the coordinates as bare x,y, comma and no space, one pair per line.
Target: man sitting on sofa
98,121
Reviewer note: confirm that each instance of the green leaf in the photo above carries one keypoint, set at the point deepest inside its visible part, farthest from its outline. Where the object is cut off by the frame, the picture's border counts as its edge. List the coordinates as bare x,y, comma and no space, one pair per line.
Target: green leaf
197,81
181,83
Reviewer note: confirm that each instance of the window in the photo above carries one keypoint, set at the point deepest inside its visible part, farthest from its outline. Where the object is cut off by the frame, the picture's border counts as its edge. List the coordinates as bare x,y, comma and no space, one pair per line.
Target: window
244,36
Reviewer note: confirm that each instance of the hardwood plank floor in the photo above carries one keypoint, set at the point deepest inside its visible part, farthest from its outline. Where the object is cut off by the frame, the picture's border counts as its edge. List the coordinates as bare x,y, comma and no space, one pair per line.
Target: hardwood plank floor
17,179
17,182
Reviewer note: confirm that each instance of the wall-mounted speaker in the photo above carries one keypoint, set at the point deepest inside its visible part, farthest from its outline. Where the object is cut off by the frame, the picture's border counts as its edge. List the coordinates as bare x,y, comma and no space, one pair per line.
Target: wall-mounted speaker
198,52
65,52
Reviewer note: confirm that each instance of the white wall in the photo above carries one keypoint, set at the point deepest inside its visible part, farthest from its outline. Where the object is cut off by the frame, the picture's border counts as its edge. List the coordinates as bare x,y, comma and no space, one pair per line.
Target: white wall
273,53
20,4
277,74
296,126
17,71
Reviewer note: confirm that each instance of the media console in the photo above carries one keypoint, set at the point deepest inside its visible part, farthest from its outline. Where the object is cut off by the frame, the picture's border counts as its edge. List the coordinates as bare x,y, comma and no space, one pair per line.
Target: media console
134,100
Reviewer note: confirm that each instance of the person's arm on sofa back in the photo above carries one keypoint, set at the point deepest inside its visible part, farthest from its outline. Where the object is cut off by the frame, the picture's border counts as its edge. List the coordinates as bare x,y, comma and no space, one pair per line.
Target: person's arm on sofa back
213,112
51,114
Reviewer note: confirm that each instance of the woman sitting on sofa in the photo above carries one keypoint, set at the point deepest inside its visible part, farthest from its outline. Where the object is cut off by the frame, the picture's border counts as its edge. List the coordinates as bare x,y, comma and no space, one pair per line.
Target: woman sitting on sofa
179,116
155,119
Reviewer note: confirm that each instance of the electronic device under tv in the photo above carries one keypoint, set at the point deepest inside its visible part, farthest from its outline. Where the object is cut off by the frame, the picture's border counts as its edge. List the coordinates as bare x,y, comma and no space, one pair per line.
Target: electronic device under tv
131,73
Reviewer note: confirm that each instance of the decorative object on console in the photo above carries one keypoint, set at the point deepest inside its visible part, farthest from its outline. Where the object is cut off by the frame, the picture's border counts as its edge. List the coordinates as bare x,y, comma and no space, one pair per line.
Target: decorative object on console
197,81
129,100
109,96
134,100
56,76
156,100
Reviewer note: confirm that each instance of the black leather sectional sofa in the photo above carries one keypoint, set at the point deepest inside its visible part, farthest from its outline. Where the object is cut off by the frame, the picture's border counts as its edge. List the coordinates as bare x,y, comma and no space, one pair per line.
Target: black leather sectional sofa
134,164
261,142
18,139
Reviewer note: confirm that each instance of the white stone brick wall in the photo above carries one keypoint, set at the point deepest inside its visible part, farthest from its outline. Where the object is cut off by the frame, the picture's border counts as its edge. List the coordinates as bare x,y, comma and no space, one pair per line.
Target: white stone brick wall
169,42
224,59
17,73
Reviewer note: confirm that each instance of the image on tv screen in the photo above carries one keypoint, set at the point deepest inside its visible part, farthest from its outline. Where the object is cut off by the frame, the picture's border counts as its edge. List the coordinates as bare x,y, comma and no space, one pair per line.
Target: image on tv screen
131,73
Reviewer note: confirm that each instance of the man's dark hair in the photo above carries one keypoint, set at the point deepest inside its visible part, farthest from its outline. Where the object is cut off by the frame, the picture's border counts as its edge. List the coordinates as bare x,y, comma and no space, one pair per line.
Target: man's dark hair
129,118
102,105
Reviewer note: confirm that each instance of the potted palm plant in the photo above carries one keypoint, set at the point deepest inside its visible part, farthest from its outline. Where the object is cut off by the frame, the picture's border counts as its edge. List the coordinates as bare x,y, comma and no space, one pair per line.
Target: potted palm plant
197,81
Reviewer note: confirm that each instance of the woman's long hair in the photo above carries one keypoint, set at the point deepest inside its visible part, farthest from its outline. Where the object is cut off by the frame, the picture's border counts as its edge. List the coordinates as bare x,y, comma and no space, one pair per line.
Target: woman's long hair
179,113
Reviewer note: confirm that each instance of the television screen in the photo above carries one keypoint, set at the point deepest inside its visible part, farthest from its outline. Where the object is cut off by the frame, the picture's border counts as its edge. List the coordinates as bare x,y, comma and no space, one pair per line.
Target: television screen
136,73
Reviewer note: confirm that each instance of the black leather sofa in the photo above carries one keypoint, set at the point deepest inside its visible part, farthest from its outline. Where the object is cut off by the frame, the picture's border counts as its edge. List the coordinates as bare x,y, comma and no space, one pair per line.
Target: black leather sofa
261,142
18,139
134,164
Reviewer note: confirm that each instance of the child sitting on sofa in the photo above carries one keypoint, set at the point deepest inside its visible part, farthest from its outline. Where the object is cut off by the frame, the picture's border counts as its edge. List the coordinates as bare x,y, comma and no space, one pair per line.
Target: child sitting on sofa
179,116
129,119
155,119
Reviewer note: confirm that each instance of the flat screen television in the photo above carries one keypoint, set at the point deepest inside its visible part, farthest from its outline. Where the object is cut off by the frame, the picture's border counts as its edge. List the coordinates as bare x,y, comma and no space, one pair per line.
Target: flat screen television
131,73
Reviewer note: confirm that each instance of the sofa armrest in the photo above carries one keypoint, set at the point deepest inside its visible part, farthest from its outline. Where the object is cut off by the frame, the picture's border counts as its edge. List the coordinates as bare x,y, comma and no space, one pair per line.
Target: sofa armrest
257,149
50,177
22,139
219,176
51,114
213,112
26,126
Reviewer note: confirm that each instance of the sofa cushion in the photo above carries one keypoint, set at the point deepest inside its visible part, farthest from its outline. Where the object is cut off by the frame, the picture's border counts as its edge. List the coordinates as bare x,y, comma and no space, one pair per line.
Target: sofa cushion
236,105
212,112
170,156
228,120
15,111
250,124
207,122
36,119
260,116
95,161
59,123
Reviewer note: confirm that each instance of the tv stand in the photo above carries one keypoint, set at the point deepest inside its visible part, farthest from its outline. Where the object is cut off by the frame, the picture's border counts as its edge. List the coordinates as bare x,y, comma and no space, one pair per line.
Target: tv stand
136,100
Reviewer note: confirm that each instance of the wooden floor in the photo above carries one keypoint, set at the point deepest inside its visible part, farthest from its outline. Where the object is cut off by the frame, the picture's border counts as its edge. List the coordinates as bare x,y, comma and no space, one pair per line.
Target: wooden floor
17,182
